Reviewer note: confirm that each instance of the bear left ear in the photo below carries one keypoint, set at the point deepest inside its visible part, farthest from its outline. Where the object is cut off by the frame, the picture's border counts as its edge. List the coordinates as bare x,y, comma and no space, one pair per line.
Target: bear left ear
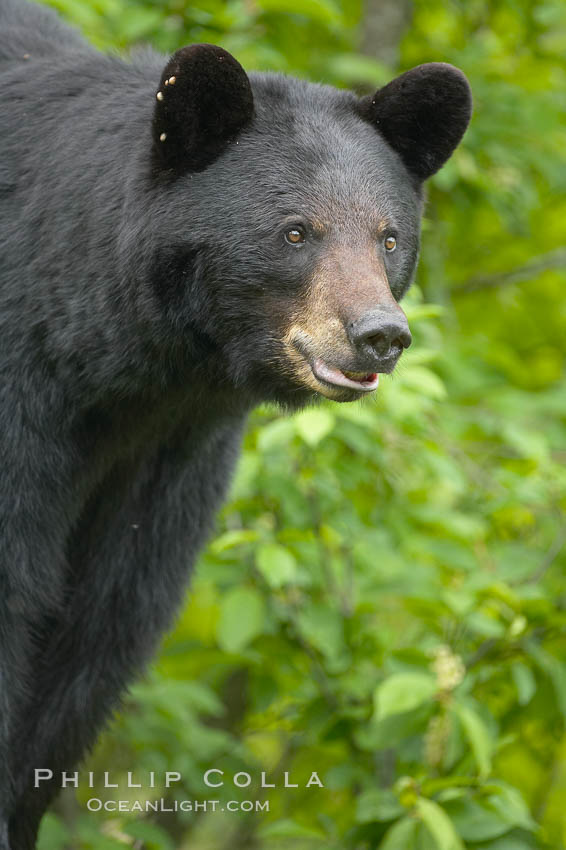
423,114
203,101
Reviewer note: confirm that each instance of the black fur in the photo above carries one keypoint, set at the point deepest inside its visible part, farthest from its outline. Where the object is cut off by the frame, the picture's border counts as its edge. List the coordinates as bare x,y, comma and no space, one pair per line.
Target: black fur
141,318
423,114
204,100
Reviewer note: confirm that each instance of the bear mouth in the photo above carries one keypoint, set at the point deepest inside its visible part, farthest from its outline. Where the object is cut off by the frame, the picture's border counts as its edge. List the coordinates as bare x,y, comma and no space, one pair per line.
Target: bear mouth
360,381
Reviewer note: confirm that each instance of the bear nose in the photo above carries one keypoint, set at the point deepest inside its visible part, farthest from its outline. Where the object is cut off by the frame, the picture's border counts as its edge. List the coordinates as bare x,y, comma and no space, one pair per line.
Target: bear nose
380,333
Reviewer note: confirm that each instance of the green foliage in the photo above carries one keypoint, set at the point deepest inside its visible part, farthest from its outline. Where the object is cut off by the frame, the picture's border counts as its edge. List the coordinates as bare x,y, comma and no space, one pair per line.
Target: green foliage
385,600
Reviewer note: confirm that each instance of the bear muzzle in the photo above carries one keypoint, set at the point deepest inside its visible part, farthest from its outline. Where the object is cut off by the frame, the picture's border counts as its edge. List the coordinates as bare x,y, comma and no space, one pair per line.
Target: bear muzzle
349,363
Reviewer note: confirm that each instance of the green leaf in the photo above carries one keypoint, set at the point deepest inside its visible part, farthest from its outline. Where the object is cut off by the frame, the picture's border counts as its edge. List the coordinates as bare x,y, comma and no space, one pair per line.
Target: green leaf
491,816
478,737
511,806
324,11
438,824
392,730
313,425
231,539
171,694
555,669
526,441
275,435
288,828
153,837
379,805
403,692
277,565
510,842
89,835
484,625
242,615
423,381
53,834
354,68
475,821
525,682
323,628
401,835
417,312
139,22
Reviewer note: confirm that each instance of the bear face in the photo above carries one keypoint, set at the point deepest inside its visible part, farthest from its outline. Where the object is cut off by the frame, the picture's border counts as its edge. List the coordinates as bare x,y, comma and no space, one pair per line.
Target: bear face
295,214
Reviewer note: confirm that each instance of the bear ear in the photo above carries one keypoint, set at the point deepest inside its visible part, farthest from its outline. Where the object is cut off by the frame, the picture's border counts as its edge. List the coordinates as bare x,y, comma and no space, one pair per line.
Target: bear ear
423,114
203,101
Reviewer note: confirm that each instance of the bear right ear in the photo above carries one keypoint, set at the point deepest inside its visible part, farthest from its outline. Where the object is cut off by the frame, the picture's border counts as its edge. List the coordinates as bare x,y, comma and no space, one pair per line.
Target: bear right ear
203,101
423,114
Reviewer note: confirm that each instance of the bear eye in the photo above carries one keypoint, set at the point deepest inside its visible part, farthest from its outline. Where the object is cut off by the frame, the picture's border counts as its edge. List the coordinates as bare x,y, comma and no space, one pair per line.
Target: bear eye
390,243
295,236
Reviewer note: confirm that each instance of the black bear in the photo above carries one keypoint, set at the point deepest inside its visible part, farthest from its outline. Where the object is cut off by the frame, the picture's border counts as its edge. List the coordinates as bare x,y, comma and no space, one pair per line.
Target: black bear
178,242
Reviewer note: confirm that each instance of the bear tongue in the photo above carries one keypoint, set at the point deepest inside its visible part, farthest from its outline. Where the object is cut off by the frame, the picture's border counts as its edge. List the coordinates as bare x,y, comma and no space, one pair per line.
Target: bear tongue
353,380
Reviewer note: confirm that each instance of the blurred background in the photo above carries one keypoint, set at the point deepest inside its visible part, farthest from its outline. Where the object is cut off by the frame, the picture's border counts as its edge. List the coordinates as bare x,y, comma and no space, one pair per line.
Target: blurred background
384,601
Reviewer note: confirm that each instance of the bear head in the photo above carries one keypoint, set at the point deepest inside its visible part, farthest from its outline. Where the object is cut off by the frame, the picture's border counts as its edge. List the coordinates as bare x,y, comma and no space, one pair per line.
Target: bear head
286,225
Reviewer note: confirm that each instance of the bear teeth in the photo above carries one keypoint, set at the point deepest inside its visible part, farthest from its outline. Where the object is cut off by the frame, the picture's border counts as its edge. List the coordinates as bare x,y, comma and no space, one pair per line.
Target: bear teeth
357,376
